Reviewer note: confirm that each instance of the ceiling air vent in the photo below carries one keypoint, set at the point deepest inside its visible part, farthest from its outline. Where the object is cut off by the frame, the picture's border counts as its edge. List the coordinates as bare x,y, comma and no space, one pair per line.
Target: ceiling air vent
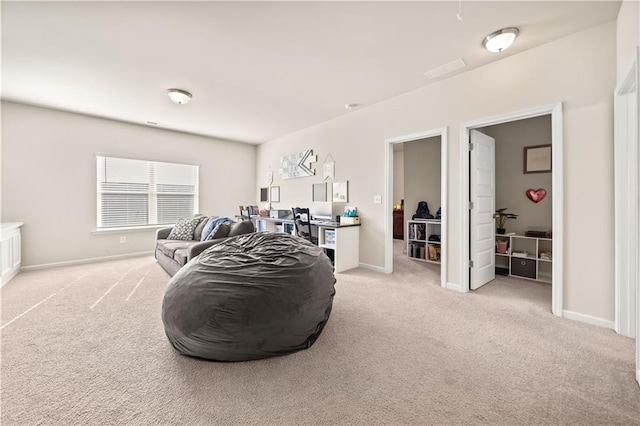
446,69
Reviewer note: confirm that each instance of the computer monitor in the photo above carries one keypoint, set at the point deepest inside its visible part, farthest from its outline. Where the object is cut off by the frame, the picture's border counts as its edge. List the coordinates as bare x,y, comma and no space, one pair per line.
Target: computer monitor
322,210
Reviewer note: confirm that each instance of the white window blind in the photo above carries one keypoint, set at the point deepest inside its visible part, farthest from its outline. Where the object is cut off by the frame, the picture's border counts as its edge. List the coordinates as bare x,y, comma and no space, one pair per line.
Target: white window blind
139,192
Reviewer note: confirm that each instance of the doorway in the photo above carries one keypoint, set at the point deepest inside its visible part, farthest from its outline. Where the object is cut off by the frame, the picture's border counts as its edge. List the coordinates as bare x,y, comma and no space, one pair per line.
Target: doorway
521,191
555,112
416,140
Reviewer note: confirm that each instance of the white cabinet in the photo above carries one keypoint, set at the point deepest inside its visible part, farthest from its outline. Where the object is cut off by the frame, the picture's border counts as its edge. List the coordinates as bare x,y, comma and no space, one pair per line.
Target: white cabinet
10,250
423,240
345,242
524,257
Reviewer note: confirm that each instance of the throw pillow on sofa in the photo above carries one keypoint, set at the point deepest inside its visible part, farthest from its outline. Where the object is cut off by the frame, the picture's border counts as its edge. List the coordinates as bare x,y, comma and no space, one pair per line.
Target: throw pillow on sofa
220,231
197,233
242,227
211,224
183,229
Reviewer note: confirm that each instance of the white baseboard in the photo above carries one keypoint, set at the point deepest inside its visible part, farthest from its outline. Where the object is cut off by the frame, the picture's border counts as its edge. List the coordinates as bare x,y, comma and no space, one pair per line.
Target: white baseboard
83,261
454,287
372,267
588,319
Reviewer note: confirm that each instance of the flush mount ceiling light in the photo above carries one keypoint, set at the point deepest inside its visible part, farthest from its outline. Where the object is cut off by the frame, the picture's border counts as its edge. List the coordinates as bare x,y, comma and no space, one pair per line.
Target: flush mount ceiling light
500,40
179,96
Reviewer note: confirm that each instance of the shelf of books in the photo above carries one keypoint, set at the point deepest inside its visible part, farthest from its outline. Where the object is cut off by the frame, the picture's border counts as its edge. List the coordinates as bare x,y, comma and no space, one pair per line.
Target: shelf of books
423,240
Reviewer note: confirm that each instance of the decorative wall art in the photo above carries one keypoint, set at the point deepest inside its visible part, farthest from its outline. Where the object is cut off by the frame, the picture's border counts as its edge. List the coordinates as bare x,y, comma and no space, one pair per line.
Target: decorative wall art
269,177
275,194
298,165
340,191
329,168
537,159
536,195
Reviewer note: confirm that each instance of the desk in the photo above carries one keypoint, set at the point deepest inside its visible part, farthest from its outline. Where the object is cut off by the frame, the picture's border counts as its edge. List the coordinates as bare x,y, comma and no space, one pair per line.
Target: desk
344,240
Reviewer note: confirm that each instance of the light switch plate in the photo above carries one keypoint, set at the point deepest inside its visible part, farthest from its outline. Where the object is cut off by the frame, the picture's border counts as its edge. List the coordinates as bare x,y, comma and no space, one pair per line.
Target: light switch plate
377,199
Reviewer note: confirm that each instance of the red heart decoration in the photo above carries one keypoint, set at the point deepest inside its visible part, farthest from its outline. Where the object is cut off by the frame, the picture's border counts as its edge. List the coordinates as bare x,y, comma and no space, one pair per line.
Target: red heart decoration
536,195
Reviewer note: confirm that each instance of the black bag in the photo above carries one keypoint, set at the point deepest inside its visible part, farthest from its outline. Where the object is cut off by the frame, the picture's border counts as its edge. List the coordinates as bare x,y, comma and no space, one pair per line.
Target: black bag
422,212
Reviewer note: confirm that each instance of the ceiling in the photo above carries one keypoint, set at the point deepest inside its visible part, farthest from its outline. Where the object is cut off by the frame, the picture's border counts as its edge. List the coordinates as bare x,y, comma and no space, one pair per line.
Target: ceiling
257,70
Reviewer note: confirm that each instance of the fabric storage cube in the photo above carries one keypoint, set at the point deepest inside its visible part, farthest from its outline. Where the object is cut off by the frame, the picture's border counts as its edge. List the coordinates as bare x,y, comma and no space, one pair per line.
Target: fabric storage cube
523,267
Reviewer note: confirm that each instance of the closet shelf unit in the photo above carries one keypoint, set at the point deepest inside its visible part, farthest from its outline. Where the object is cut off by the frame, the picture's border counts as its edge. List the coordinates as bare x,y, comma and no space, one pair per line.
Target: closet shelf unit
524,257
423,240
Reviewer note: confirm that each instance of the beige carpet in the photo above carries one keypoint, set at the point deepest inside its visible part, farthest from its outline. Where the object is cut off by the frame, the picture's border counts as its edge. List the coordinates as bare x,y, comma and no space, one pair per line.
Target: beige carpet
85,345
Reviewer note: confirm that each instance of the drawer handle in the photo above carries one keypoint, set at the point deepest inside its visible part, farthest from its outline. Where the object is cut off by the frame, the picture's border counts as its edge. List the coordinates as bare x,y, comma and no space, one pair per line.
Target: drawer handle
522,262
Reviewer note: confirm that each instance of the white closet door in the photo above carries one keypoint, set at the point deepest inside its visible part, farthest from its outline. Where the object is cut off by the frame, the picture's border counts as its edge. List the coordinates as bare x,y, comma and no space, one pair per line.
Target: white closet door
483,195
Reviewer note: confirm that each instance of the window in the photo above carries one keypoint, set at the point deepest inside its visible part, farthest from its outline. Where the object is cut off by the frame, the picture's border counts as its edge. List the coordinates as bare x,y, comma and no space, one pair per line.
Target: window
139,192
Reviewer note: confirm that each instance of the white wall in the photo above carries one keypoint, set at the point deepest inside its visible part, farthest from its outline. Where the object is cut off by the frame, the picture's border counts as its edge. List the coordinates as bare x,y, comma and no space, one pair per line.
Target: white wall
49,178
628,34
421,175
511,182
578,70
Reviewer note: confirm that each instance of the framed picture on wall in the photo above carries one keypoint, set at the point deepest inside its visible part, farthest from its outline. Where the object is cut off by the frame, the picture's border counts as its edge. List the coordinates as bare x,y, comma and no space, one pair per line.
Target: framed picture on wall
264,195
537,159
340,192
275,194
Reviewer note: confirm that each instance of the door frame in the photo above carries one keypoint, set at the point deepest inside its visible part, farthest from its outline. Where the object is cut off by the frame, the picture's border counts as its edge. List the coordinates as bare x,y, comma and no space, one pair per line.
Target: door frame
388,199
555,110
627,204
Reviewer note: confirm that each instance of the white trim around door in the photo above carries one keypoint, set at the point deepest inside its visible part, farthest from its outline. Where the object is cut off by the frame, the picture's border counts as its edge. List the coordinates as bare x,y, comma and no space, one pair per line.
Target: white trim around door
627,204
555,110
388,201
627,194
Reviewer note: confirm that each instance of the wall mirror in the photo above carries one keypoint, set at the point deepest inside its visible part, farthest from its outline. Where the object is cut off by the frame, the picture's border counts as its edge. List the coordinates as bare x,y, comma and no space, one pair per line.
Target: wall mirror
319,192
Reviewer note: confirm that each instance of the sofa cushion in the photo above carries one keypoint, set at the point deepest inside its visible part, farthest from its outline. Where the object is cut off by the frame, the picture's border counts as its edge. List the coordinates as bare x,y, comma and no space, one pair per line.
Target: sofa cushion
242,227
220,231
197,233
169,247
180,256
183,229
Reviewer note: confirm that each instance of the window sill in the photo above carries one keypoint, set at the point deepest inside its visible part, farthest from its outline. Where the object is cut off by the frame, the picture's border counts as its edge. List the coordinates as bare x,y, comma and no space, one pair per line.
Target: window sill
103,231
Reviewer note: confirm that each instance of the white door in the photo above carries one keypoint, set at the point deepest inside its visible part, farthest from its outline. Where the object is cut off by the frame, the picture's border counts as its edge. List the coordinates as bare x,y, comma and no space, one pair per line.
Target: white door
483,198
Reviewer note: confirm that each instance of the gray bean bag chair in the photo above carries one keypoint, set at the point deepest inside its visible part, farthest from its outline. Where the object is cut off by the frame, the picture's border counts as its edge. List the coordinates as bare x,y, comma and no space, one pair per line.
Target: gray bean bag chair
249,297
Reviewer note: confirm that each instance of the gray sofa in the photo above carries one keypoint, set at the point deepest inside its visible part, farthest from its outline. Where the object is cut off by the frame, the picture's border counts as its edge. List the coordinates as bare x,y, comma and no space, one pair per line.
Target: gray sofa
174,254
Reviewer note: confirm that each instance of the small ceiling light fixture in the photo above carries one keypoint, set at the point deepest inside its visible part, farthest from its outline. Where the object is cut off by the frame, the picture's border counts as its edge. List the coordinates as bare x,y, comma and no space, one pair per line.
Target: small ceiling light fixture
350,107
500,40
179,96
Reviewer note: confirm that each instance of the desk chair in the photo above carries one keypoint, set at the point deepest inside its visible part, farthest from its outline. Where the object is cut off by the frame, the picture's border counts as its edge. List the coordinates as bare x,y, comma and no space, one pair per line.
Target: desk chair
301,220
245,214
